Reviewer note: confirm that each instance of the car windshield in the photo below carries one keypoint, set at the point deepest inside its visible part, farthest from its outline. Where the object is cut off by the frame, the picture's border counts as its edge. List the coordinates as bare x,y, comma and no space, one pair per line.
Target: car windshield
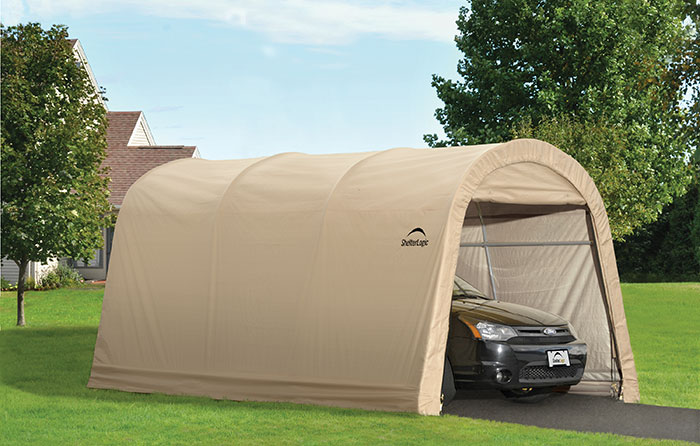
464,290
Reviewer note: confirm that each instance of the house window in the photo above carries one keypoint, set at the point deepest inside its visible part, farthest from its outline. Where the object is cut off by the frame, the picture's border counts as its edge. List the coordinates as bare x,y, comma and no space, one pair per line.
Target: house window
95,262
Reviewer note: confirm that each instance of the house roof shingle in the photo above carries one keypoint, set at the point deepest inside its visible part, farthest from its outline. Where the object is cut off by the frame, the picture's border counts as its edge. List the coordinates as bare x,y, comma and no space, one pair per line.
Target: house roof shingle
121,126
128,163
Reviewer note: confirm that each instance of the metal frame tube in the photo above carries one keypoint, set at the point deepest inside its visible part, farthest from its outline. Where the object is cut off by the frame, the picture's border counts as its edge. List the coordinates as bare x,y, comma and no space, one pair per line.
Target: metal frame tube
486,248
486,244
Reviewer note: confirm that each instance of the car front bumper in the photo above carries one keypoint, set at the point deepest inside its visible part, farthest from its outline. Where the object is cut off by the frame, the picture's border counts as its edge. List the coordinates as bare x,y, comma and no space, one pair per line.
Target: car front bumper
507,367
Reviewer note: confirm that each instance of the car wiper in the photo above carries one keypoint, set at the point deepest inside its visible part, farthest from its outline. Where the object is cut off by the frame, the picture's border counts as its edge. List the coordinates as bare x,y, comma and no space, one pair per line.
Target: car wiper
467,296
465,293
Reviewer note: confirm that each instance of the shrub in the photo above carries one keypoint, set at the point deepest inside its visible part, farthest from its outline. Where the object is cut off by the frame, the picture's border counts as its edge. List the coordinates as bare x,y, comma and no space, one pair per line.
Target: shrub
61,276
50,280
67,276
5,285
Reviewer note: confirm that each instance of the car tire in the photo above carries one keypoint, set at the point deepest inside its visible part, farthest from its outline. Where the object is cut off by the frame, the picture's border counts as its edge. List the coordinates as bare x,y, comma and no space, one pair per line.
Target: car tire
448,391
529,396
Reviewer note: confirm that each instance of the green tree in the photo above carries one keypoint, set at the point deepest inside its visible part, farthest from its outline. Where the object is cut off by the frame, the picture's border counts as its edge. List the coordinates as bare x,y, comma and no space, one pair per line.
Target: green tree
608,68
618,168
687,68
669,248
695,228
54,193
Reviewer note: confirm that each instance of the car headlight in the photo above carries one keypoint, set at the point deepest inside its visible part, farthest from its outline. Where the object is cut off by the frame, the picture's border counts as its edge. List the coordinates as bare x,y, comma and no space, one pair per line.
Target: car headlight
495,332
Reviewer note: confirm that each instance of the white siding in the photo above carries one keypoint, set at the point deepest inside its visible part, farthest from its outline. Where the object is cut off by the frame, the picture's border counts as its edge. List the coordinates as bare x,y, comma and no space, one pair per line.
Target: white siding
142,134
36,270
9,270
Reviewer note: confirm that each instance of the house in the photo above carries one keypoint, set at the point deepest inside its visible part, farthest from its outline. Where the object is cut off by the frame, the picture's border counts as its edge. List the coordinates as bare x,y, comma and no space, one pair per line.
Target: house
131,152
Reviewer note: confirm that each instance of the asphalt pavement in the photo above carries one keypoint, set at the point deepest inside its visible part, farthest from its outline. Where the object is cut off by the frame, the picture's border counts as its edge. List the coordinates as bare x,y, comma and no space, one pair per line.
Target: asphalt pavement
582,413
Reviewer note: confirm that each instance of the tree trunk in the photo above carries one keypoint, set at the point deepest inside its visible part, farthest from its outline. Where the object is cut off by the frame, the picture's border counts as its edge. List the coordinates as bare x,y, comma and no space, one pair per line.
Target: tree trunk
20,290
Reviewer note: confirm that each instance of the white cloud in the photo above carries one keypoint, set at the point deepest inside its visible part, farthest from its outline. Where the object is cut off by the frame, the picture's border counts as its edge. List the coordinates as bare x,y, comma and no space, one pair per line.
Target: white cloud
291,21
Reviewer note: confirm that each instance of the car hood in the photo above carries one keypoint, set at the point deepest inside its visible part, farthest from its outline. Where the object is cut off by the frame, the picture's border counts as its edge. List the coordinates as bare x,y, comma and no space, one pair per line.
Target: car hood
505,313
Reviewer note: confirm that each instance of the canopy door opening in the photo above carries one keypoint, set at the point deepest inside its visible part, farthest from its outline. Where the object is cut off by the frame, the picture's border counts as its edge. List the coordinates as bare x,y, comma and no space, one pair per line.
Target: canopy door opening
544,256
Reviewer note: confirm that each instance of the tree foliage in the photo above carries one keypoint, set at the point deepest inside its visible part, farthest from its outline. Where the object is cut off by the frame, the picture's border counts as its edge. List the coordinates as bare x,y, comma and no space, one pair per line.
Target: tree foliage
687,68
695,228
618,168
669,248
54,193
562,70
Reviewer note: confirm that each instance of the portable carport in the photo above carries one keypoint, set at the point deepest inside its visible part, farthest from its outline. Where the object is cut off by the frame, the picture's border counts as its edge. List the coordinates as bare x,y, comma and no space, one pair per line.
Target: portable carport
294,277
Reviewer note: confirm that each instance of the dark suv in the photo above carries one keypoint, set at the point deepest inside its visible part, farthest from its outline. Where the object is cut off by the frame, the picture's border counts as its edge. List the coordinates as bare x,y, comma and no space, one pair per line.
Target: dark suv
522,351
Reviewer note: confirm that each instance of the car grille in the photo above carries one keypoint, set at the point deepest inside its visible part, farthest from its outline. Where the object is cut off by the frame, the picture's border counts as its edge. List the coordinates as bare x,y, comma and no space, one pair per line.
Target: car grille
541,372
536,336
541,340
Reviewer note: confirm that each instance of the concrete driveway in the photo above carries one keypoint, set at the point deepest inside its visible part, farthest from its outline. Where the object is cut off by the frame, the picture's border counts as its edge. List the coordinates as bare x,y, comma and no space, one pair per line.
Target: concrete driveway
582,413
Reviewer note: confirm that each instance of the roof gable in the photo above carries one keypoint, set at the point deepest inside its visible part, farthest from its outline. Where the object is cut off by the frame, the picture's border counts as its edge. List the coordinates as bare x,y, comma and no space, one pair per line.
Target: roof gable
131,152
80,56
121,126
141,136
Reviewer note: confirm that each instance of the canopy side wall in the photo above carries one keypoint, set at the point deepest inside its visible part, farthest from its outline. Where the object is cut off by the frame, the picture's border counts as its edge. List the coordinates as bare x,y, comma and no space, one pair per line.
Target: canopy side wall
273,311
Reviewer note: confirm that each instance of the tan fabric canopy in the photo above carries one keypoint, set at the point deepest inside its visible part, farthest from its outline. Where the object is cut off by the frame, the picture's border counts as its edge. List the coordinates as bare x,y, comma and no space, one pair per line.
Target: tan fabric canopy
293,277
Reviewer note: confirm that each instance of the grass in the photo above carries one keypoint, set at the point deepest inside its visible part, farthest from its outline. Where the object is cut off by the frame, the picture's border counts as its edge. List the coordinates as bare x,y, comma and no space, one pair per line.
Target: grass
44,368
664,324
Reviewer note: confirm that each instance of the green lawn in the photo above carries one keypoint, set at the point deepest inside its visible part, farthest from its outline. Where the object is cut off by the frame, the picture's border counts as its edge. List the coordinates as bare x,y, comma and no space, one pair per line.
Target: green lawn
664,325
44,368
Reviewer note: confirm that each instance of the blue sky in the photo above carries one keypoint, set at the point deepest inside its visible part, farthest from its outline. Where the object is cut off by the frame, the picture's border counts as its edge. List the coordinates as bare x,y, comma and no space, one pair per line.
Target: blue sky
246,78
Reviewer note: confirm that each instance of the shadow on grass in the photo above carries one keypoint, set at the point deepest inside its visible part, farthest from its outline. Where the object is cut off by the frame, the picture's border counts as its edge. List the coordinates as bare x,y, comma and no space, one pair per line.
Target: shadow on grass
57,362
47,361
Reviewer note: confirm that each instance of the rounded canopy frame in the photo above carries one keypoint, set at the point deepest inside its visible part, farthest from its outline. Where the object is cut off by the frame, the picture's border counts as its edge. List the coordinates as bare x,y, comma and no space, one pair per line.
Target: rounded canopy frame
321,279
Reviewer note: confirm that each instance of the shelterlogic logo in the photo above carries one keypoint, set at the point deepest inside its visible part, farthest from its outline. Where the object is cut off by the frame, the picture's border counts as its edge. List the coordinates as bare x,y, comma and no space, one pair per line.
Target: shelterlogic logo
415,240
